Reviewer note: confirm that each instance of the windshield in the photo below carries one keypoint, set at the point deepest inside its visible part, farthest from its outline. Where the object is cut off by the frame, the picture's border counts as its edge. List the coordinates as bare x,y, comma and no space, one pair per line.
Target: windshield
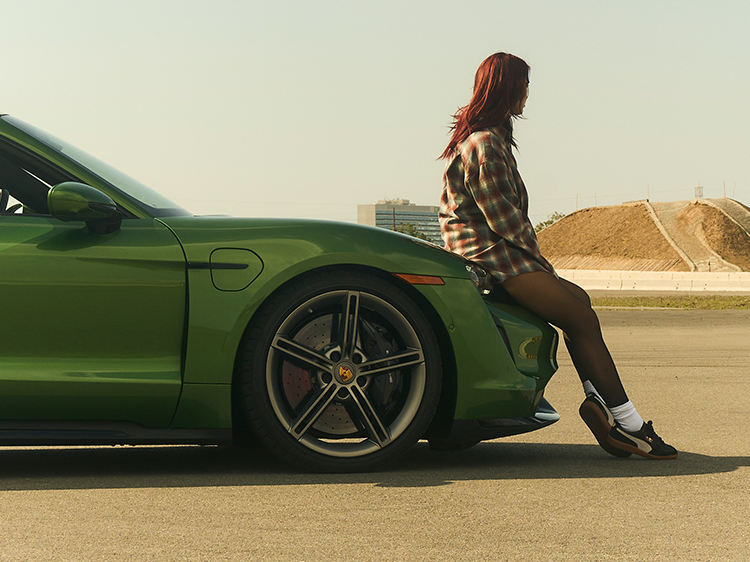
154,202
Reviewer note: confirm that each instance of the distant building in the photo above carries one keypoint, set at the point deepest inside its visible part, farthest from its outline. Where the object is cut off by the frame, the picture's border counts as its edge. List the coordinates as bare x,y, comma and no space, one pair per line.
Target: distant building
393,212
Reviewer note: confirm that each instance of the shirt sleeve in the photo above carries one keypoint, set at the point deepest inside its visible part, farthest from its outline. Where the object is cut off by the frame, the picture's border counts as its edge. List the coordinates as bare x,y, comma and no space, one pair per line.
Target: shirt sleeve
494,192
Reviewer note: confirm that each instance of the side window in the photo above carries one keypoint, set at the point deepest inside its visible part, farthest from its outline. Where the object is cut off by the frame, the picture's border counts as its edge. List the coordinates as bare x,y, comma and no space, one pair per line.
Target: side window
24,182
9,204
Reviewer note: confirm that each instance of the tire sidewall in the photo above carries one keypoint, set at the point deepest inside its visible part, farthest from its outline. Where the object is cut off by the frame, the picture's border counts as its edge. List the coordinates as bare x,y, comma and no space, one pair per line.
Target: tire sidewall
261,417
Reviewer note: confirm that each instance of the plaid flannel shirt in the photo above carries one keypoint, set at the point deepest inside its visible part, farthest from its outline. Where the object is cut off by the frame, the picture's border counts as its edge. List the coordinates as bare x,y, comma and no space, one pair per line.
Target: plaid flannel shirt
484,208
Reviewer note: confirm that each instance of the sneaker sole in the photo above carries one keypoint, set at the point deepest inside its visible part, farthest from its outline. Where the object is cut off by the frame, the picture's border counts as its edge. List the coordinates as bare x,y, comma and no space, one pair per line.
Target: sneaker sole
633,449
597,422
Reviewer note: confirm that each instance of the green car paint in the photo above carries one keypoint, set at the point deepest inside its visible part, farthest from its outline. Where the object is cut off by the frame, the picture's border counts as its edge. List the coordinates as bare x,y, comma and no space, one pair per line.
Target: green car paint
92,326
144,324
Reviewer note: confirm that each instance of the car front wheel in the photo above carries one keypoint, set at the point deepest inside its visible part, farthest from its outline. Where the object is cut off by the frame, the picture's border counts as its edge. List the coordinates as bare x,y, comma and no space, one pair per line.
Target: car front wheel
340,373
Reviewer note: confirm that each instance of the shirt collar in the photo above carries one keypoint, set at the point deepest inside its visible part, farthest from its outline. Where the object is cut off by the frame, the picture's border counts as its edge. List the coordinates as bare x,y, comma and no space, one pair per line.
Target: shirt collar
499,131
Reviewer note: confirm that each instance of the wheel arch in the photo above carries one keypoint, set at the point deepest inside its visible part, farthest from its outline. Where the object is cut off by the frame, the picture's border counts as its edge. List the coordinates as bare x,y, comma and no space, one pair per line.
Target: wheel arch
443,416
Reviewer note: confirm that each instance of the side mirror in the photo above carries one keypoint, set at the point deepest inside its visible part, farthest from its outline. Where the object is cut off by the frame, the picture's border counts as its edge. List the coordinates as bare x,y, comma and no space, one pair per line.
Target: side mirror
73,201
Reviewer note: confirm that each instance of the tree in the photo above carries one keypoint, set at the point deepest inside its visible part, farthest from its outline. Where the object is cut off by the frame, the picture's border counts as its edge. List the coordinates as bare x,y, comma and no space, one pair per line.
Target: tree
411,230
551,219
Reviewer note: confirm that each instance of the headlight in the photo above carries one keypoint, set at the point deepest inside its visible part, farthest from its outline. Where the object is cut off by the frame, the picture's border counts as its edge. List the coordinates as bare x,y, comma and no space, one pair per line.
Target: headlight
481,279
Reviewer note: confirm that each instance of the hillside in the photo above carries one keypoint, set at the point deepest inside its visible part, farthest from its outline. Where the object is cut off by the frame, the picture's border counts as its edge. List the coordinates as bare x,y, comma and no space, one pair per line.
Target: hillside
722,235
696,235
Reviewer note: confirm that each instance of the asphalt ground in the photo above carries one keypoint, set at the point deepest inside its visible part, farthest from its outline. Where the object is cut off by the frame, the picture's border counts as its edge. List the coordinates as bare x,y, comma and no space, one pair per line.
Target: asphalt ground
550,495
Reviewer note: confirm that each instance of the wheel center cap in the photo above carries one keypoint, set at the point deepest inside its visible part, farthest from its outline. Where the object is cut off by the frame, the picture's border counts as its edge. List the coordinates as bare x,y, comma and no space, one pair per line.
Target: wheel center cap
345,373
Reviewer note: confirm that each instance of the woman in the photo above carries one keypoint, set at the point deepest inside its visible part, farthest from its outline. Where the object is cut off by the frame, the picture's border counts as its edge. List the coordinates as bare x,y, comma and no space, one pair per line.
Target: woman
483,216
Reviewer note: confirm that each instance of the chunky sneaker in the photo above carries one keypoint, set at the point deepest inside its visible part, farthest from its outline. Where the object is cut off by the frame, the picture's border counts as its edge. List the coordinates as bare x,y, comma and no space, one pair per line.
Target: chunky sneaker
644,442
600,421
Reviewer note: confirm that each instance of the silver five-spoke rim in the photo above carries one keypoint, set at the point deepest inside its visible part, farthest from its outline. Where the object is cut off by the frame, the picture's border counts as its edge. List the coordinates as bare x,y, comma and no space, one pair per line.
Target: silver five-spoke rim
345,373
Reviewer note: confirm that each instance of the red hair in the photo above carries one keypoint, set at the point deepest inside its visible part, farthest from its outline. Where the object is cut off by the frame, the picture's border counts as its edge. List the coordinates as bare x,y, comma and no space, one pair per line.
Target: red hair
499,85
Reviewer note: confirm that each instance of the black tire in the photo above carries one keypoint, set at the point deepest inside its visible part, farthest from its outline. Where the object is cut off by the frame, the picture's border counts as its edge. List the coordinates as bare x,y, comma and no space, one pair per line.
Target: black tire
339,372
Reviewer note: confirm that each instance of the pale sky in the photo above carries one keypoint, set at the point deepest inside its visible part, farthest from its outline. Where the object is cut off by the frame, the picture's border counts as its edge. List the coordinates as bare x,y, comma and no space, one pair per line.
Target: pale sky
309,108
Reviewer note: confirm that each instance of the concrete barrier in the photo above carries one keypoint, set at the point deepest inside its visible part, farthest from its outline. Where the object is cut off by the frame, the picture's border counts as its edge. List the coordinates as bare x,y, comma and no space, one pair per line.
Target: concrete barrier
612,280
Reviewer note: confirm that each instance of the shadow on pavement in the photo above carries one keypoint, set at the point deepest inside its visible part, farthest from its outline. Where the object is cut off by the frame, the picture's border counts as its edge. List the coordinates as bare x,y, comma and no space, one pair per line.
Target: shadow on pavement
144,467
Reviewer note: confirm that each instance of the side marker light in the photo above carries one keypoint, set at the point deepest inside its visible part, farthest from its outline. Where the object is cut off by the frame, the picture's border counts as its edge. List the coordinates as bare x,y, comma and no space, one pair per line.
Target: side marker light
420,279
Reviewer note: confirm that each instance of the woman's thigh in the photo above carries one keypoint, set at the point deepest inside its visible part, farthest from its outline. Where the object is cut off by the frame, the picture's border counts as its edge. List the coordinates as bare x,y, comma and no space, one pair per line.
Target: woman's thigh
559,302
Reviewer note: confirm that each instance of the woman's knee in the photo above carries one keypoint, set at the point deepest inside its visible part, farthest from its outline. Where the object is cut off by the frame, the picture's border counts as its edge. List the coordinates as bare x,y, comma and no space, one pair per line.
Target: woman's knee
577,291
583,324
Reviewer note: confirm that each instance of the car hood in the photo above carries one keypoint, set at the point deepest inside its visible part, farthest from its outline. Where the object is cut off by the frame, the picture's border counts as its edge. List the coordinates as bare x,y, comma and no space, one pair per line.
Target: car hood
305,244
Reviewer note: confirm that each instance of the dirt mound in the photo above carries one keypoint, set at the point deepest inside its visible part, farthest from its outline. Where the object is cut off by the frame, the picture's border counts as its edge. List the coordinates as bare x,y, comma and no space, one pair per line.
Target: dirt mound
625,237
622,237
725,237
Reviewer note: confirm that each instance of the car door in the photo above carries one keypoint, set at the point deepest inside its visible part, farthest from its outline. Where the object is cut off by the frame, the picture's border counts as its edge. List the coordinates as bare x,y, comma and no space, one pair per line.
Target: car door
91,325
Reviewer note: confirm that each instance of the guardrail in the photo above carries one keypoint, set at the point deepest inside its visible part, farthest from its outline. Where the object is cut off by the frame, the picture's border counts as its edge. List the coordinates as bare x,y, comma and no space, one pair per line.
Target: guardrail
611,280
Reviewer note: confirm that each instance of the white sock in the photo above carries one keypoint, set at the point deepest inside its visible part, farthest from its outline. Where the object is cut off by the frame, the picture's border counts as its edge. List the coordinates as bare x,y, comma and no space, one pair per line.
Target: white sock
589,388
627,416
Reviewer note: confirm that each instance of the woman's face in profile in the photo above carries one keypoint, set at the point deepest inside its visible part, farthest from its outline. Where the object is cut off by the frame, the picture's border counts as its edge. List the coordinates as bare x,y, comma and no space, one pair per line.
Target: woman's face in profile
518,109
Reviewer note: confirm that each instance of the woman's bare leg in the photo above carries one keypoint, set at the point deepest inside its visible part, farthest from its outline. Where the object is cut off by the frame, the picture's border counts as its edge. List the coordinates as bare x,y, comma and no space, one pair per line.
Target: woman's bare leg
567,306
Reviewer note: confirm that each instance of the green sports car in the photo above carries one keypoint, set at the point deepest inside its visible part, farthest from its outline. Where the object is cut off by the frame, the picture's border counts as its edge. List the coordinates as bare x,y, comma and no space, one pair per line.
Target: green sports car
128,320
